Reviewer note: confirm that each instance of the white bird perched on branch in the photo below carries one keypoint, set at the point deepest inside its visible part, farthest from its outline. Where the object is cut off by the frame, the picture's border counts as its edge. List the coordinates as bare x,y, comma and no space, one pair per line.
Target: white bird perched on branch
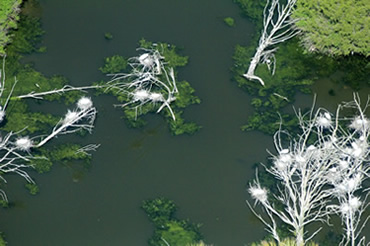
150,80
326,160
16,152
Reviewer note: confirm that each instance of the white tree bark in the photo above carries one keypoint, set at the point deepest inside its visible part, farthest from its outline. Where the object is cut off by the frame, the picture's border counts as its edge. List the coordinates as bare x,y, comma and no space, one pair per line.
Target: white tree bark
66,88
277,28
78,119
325,160
2,88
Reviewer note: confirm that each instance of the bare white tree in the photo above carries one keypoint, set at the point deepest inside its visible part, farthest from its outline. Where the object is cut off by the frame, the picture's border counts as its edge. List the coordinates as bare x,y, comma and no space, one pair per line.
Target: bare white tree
277,27
349,174
16,151
150,80
2,89
308,171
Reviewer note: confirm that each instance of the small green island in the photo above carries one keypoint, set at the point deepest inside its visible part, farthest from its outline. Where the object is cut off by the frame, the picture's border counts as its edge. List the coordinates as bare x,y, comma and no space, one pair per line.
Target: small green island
229,21
108,36
147,84
167,229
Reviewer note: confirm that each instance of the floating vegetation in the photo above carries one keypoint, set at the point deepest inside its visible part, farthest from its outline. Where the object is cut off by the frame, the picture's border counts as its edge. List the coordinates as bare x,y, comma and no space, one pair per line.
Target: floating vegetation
169,230
229,21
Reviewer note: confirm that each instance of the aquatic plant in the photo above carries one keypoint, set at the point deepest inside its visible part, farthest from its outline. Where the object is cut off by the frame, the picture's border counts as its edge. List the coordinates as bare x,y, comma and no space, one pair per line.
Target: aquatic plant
328,159
108,36
2,241
253,10
229,21
114,64
169,230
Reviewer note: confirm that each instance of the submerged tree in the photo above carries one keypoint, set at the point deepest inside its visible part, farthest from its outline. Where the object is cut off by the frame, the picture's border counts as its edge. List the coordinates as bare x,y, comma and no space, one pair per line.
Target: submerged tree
329,159
277,27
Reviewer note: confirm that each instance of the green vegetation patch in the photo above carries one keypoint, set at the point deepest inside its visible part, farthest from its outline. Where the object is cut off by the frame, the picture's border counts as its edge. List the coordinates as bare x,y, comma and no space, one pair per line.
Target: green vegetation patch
32,188
63,153
334,27
168,229
9,10
108,36
114,64
253,10
2,240
229,21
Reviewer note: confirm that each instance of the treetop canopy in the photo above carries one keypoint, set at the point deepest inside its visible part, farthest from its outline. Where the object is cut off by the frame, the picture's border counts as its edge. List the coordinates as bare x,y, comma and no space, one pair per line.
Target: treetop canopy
334,27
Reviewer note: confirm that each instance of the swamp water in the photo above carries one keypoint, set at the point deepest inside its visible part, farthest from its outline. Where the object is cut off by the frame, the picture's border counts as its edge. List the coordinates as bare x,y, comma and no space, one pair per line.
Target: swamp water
205,174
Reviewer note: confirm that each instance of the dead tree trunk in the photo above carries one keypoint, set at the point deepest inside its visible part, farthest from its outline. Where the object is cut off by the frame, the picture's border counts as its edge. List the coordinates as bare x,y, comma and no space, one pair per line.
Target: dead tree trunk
277,27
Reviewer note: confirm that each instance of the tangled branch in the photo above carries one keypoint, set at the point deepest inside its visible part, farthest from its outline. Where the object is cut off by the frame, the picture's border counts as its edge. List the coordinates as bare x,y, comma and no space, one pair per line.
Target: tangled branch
16,151
277,28
328,159
149,80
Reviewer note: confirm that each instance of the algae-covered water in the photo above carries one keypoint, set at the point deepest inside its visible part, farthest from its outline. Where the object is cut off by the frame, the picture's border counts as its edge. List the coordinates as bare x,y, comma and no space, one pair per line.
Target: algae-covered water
205,174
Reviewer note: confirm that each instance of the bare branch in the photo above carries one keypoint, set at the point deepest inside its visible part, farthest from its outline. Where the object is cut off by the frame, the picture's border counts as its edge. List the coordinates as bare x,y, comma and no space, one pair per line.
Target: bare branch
88,148
324,161
66,88
15,152
82,117
277,28
145,83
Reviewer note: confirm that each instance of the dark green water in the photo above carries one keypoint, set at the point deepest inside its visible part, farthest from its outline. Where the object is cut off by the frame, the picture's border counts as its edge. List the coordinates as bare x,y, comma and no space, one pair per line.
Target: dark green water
205,174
